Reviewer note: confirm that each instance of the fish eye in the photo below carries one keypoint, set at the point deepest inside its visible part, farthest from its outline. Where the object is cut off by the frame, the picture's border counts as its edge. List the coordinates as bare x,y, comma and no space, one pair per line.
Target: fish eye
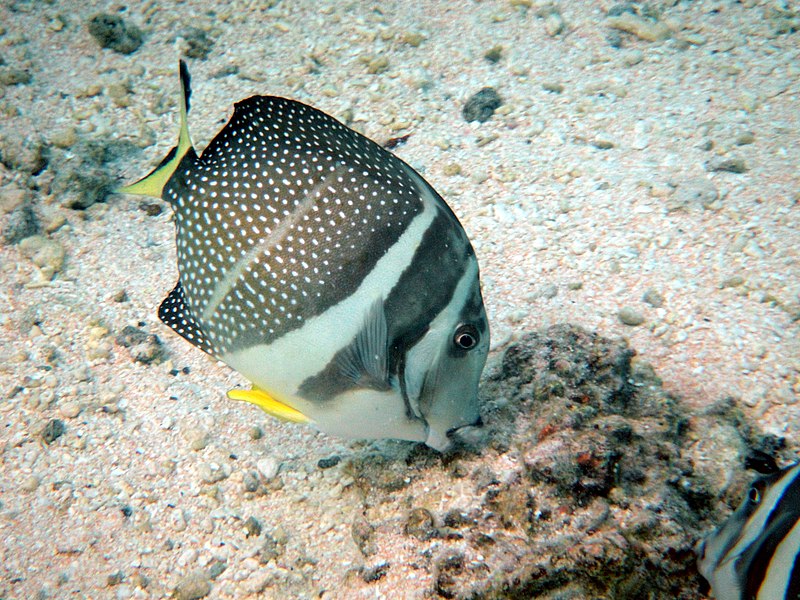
754,495
466,337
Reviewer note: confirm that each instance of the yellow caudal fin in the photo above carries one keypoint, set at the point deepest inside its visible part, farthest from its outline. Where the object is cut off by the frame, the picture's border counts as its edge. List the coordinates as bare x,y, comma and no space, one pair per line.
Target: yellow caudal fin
269,405
153,184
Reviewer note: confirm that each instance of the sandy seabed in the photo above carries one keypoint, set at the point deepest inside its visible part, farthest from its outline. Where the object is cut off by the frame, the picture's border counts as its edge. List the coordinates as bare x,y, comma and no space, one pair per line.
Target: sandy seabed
651,171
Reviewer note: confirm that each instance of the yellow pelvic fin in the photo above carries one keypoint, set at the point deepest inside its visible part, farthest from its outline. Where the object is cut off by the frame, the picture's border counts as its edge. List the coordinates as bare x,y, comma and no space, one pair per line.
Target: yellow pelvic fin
153,184
269,405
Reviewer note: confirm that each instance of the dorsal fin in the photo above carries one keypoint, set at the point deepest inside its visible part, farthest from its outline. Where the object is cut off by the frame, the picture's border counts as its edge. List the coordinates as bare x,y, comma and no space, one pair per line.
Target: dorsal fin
153,184
175,313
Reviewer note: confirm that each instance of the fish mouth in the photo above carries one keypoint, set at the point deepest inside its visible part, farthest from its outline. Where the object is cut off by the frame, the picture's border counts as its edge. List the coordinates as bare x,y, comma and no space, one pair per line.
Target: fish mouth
471,435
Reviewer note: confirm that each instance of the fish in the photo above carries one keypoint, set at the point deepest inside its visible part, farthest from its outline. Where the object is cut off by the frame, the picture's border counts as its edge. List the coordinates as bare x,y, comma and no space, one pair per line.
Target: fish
326,271
755,554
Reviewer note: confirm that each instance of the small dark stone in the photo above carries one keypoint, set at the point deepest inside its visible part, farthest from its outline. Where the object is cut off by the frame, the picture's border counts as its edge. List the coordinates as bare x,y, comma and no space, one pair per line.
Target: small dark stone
127,510
216,569
151,209
727,165
252,527
113,33
327,463
494,55
120,296
614,38
269,550
481,106
53,430
373,574
144,347
198,44
115,578
22,223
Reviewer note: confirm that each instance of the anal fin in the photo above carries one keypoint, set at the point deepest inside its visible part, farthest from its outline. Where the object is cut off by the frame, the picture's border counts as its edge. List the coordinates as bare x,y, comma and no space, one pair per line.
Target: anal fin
269,405
176,314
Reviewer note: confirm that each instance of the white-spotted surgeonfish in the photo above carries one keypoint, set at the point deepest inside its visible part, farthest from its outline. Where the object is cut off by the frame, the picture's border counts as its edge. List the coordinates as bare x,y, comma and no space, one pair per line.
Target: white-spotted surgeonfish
755,555
326,271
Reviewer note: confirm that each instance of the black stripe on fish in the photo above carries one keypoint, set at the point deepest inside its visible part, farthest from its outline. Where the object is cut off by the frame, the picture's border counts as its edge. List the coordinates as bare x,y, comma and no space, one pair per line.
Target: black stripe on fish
441,256
793,589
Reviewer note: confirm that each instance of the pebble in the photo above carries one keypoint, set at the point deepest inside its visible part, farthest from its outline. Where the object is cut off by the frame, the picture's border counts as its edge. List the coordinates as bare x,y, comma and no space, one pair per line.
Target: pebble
53,430
603,141
554,23
143,347
198,438
113,33
494,54
327,463
212,472
632,57
644,29
727,165
252,527
653,297
481,105
268,467
733,281
548,291
553,86
45,253
30,483
69,410
250,481
193,586
630,316
377,65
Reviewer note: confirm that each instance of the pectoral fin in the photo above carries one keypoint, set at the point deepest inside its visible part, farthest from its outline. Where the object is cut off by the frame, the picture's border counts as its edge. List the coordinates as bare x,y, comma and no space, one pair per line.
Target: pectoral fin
365,360
269,405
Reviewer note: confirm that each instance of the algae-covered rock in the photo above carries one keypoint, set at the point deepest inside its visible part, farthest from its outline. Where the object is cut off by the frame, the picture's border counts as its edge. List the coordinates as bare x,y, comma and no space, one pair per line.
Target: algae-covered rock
45,253
481,105
589,480
197,43
22,222
112,32
83,174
